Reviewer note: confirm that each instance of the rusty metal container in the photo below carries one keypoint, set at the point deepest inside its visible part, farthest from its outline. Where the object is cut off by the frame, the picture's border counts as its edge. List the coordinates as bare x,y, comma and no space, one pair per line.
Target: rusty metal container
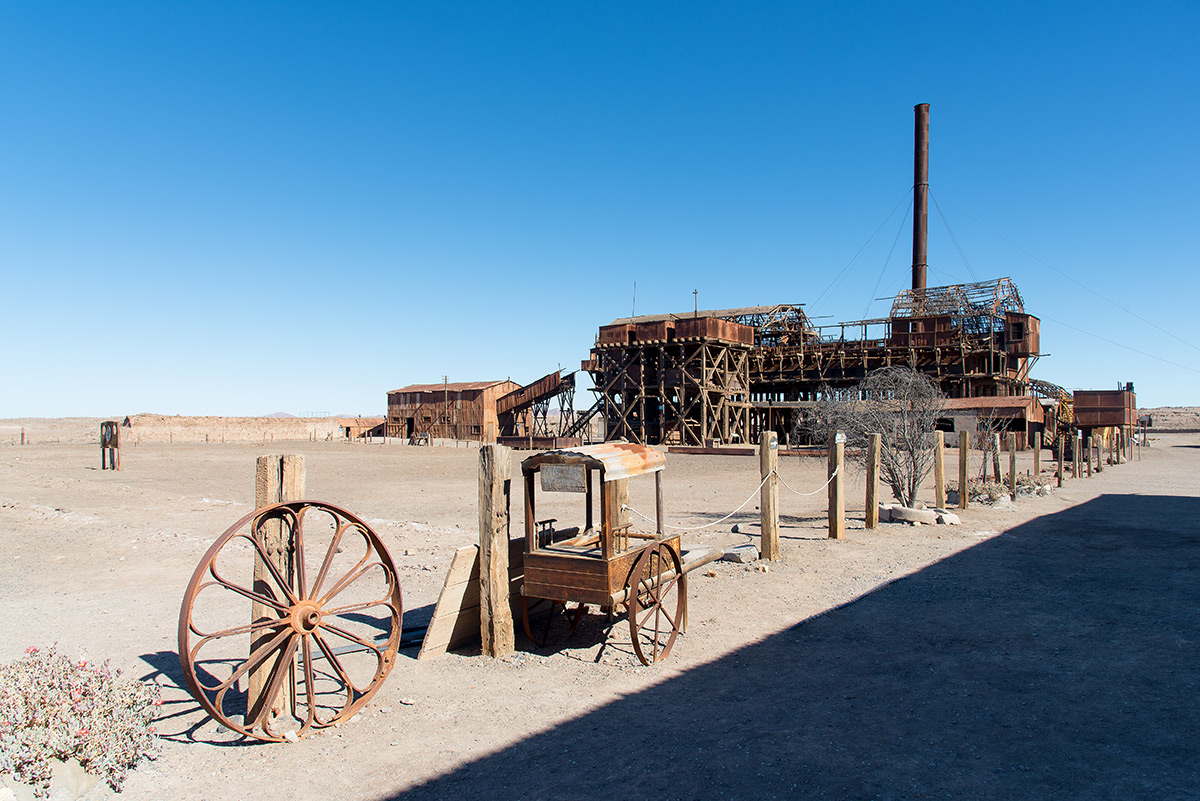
1096,408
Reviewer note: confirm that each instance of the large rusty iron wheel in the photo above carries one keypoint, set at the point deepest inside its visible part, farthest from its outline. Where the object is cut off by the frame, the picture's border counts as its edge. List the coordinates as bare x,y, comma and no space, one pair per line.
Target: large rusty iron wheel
657,590
291,621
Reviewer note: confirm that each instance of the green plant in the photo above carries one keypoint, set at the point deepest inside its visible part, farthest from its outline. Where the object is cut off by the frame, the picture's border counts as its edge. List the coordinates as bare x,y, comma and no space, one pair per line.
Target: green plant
54,708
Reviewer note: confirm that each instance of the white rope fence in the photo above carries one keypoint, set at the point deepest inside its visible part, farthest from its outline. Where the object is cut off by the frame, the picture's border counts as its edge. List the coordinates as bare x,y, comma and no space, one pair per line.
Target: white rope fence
627,507
836,470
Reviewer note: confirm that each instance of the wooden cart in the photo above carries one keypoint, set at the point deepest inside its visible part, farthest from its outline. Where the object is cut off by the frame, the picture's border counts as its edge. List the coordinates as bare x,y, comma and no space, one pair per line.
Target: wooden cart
611,566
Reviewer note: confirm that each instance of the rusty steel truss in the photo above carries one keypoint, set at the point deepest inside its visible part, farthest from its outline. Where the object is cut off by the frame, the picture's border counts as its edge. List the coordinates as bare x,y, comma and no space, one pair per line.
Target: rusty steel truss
659,383
655,387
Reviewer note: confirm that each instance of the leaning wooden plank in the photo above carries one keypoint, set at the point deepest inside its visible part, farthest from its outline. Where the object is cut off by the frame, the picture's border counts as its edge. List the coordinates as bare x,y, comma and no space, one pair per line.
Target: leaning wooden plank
457,609
450,602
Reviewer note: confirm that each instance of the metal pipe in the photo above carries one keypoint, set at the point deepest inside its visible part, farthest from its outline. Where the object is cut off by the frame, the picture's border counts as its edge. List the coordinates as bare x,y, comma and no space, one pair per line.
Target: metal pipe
920,194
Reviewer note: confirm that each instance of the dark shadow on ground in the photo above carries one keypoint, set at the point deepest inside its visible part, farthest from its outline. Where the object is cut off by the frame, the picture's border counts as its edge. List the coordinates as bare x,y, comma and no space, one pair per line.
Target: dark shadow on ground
1057,661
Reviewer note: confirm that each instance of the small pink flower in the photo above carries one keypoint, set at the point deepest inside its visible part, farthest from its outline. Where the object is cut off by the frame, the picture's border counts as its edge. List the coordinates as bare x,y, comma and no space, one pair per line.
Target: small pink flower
83,732
158,702
31,649
152,729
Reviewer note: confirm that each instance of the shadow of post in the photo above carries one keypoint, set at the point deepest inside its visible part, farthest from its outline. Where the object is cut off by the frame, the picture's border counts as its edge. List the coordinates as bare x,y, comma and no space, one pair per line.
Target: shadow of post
1059,660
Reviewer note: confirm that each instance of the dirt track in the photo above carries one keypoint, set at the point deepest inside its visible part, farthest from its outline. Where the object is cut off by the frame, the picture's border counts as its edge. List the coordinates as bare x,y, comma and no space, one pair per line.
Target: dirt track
1044,650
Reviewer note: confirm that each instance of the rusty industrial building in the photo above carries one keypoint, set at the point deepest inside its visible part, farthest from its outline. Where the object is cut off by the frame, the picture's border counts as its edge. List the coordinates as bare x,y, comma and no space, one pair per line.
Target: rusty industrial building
487,411
461,411
726,375
703,377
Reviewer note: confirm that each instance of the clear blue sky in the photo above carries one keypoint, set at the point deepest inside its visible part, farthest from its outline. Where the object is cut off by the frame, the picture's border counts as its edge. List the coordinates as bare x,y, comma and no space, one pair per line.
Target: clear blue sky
242,208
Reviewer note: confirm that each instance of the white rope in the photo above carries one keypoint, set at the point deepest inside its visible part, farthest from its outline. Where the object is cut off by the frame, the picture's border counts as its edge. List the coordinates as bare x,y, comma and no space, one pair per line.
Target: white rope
706,525
814,492
775,473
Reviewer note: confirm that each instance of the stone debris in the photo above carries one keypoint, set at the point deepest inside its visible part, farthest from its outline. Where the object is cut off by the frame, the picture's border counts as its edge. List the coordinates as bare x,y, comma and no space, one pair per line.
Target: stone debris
741,554
905,514
895,513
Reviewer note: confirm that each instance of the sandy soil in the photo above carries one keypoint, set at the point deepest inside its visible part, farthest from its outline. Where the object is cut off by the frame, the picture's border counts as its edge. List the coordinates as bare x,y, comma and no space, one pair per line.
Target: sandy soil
1016,626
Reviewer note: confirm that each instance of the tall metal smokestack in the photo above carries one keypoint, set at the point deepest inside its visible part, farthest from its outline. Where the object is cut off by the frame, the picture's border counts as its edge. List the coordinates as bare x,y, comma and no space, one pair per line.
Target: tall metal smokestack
920,194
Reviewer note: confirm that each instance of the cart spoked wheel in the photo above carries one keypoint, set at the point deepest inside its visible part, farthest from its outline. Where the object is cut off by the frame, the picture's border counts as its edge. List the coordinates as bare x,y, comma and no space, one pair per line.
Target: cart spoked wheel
657,595
532,608
291,621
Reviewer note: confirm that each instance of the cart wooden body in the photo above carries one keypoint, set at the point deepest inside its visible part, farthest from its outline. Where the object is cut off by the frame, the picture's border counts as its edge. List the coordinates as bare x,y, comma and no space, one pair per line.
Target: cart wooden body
592,564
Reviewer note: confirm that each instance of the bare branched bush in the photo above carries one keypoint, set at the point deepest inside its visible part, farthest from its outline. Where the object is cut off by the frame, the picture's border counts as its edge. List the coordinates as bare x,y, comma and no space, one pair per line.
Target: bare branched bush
986,429
897,403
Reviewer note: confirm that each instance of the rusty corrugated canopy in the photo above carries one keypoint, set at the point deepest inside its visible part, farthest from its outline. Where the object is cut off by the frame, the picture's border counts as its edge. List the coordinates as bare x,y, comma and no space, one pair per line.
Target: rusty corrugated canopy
461,386
617,459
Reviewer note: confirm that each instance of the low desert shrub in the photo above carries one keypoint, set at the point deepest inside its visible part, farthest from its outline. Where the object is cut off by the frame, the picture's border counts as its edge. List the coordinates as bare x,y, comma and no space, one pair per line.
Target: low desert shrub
52,707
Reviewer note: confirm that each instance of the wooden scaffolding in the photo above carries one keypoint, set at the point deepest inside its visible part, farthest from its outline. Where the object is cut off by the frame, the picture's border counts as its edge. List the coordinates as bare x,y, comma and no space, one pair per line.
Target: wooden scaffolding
680,382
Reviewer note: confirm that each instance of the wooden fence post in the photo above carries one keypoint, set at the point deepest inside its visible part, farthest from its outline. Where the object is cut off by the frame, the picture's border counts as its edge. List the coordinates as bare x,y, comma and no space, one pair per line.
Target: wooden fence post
1037,452
996,458
1012,464
874,441
939,469
768,495
1062,444
837,495
964,463
276,479
495,614
1087,450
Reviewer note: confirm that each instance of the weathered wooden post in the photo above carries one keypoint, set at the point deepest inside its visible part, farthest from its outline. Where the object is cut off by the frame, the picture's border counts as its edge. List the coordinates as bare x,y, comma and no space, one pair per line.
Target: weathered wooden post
768,495
837,493
964,463
1012,464
939,469
276,479
874,443
1087,451
1075,455
1062,444
996,458
1037,452
495,613
22,435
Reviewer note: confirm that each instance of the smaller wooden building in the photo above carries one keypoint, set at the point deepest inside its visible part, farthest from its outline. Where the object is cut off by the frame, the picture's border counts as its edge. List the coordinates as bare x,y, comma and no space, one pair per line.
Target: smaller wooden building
464,410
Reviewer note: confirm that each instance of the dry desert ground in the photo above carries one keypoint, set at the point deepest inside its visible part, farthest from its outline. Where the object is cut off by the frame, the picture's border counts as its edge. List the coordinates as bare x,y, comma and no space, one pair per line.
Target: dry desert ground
1046,649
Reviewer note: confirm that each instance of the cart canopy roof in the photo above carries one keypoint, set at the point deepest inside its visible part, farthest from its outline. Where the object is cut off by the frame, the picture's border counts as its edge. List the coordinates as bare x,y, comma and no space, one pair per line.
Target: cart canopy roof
617,459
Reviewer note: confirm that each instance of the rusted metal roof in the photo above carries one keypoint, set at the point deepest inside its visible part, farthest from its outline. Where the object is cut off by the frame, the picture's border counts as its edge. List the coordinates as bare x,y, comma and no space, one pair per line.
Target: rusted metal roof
744,311
461,386
617,459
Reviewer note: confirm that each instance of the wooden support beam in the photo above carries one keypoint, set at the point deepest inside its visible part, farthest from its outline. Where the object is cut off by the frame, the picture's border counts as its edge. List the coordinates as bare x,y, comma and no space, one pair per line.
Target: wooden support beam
837,484
495,616
939,469
768,496
276,479
874,442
